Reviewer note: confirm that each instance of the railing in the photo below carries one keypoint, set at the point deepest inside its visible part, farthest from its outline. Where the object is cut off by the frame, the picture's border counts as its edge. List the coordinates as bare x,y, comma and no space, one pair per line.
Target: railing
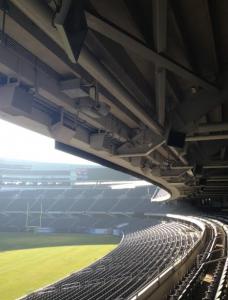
177,264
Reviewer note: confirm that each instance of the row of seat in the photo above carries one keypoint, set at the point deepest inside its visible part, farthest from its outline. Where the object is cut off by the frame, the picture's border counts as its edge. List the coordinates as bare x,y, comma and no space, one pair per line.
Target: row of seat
140,257
187,288
188,285
217,289
80,200
222,290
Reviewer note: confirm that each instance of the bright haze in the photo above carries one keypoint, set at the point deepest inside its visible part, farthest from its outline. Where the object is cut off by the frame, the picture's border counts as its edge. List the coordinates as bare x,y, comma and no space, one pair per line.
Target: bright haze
22,144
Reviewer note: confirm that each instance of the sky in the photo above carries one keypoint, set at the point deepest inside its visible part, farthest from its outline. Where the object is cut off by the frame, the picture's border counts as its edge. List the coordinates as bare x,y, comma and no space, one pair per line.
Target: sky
19,143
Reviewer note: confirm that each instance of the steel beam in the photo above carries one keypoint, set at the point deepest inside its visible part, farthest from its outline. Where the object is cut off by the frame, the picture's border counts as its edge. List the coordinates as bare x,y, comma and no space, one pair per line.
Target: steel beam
204,167
213,188
137,154
217,179
96,69
219,176
206,138
116,34
116,59
172,173
181,158
181,167
19,17
219,163
140,20
159,26
212,127
160,83
42,16
197,105
10,64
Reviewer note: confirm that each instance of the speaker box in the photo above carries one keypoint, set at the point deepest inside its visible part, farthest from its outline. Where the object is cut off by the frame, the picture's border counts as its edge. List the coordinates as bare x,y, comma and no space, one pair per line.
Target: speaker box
15,101
100,142
104,109
176,139
137,161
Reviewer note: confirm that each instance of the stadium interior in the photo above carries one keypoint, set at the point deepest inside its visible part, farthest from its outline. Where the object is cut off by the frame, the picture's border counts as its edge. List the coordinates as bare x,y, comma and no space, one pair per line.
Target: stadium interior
159,238
138,87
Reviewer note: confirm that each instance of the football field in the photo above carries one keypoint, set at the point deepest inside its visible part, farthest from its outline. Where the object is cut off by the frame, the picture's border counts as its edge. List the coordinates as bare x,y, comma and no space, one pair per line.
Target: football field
29,262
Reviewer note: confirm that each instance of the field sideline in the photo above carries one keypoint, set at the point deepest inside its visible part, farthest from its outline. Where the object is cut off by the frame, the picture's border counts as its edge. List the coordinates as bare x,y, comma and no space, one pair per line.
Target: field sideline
29,262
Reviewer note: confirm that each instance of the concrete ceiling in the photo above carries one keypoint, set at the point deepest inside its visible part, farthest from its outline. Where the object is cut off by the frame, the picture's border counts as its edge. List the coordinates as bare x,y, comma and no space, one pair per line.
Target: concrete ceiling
159,65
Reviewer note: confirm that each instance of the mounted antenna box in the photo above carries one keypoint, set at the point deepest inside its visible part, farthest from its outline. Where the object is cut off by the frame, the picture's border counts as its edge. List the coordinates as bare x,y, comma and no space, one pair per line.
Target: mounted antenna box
15,101
104,109
100,142
86,105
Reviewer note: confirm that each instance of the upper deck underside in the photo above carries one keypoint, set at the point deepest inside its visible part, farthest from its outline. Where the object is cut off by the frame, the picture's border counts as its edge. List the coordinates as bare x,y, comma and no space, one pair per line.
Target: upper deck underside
159,64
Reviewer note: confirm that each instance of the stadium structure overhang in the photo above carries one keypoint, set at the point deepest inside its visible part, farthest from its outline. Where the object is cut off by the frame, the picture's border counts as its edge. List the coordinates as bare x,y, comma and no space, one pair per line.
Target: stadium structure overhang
136,70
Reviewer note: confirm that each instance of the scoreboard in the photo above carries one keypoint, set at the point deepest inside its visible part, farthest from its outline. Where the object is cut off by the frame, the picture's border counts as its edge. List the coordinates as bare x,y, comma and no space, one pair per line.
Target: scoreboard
81,174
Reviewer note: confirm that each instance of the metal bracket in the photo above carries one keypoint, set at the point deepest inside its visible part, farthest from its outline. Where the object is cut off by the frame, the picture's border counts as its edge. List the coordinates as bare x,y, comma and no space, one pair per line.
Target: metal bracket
211,261
214,260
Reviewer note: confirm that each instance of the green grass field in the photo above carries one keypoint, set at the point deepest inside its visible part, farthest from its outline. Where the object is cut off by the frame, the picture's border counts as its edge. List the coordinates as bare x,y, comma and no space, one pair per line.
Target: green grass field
29,262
